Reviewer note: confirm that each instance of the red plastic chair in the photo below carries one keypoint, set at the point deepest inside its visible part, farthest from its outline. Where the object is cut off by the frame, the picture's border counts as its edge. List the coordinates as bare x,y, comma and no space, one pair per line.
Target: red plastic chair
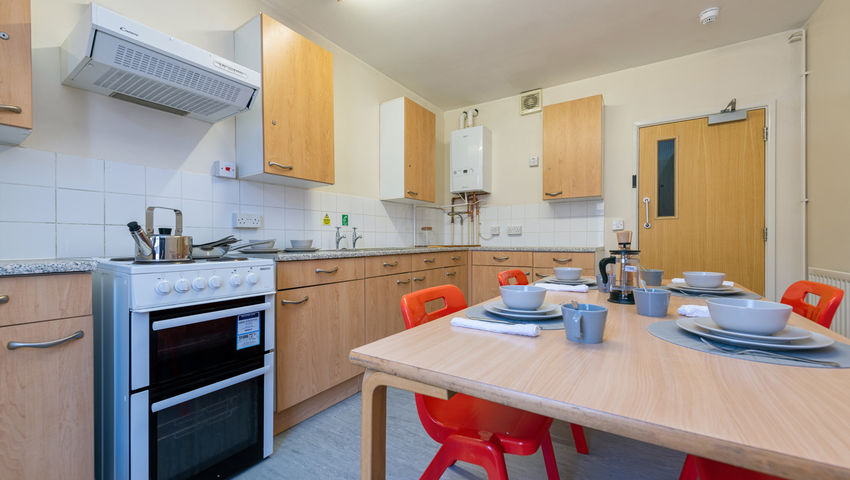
506,276
472,429
822,313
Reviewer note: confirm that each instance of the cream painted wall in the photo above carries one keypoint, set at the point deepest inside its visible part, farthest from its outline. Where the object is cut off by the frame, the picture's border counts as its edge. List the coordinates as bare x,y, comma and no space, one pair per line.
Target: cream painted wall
756,72
73,121
827,149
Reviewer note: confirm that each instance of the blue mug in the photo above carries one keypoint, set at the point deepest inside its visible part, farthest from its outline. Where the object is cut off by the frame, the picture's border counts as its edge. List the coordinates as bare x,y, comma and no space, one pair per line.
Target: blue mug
585,324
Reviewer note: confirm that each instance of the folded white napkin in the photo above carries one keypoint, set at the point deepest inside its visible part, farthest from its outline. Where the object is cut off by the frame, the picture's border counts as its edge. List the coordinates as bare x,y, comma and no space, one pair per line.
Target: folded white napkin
519,329
563,288
693,311
681,281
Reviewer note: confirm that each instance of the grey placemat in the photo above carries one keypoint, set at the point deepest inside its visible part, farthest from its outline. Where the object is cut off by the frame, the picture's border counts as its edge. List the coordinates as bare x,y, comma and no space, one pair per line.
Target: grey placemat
749,295
668,331
478,313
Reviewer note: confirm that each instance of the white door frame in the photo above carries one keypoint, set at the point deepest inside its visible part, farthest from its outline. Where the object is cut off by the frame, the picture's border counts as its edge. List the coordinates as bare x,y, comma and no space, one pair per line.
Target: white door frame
769,186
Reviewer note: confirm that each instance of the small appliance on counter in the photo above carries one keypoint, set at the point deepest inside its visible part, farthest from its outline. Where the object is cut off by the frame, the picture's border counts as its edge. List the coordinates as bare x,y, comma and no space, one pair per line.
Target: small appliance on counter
626,270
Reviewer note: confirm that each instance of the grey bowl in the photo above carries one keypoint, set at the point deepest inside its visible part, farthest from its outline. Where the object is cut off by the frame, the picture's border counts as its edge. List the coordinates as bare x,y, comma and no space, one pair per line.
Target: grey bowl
750,316
567,273
301,243
523,297
704,279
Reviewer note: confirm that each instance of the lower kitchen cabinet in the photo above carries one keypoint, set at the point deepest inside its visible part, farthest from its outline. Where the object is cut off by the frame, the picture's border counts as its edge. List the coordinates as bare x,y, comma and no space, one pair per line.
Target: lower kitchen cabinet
485,281
384,297
47,401
315,328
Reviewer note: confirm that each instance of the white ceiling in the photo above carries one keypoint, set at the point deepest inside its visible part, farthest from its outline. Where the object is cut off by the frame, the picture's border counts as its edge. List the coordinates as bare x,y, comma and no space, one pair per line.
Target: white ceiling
462,52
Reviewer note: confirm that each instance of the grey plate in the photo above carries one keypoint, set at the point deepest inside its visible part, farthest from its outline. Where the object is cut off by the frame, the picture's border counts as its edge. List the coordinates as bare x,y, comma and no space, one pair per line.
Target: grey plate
259,250
546,308
787,334
816,341
580,281
517,316
712,291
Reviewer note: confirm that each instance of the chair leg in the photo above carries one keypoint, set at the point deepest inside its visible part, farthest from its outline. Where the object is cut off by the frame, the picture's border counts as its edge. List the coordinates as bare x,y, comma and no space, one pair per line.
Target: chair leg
689,469
579,439
549,457
486,454
441,461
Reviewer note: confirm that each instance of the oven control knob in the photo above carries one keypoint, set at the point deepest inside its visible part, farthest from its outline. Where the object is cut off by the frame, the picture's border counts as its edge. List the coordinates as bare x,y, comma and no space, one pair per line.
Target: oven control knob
163,287
198,283
182,286
214,281
236,279
251,278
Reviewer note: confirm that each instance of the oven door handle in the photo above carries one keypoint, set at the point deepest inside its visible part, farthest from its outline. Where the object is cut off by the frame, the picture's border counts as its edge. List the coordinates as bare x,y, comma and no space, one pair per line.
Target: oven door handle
207,389
206,317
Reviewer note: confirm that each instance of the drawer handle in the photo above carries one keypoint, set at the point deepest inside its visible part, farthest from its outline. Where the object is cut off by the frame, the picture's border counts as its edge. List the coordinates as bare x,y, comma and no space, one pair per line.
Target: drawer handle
540,275
500,259
280,165
527,273
4,299
418,279
333,270
10,108
394,264
52,343
294,302
554,194
429,260
451,274
402,282
455,258
411,192
562,260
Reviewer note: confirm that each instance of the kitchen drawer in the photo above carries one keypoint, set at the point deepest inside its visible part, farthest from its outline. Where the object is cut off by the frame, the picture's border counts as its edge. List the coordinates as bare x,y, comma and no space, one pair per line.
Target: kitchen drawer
386,265
510,259
583,260
316,272
44,297
540,274
426,261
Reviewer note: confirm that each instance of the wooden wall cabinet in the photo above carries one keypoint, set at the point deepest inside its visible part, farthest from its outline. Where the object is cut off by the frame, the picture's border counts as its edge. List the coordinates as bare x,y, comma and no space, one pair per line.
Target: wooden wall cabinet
288,135
408,151
47,394
15,71
572,149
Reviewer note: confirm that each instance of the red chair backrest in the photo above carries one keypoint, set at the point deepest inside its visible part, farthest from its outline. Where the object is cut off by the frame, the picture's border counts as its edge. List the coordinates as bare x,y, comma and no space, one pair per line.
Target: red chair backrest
822,313
506,276
413,304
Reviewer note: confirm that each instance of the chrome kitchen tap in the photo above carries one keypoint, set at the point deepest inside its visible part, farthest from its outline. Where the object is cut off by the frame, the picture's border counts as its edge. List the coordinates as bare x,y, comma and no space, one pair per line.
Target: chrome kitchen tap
339,236
354,238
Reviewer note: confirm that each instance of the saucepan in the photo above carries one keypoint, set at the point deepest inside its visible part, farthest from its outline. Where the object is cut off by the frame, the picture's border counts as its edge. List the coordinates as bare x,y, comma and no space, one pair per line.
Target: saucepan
215,249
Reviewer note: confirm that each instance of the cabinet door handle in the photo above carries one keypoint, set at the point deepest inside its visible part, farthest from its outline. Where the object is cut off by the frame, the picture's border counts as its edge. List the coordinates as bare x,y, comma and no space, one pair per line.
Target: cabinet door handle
562,260
280,165
10,108
394,264
51,343
540,275
527,273
451,274
455,258
418,279
554,194
402,282
333,270
4,299
429,260
294,302
411,192
500,259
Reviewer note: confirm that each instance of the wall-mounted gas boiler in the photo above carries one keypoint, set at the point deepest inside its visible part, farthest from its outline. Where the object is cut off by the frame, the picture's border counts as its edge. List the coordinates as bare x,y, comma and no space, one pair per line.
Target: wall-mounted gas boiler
470,160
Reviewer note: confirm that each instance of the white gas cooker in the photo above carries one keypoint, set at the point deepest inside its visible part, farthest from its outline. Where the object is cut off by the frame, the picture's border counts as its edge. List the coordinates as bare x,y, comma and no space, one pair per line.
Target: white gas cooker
156,285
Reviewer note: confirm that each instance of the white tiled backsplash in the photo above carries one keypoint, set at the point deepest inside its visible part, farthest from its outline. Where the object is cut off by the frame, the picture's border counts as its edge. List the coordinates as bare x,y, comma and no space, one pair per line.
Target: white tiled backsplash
56,205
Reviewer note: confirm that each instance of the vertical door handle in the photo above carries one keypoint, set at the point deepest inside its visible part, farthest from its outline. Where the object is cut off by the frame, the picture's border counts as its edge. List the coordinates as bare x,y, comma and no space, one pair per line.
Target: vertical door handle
646,205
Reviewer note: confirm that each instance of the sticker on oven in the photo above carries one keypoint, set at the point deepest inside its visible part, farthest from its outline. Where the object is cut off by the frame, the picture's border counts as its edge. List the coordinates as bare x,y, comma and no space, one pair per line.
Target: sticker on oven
247,330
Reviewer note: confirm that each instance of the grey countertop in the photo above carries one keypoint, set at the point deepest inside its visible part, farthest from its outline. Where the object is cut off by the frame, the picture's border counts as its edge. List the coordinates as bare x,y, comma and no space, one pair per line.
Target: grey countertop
373,252
50,265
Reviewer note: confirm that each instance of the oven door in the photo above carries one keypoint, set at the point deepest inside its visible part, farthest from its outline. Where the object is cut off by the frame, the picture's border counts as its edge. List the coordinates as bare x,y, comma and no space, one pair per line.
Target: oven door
177,344
210,429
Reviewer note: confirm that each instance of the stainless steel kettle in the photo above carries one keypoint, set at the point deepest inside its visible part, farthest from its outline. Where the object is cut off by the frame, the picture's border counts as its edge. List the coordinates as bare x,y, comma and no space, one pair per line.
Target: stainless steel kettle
163,246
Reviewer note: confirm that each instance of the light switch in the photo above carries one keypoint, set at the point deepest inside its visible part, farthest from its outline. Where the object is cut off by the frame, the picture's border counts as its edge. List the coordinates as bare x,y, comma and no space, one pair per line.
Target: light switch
617,224
533,161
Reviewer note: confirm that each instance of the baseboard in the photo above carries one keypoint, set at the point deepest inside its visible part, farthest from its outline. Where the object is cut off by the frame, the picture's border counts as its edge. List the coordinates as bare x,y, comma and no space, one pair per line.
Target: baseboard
302,411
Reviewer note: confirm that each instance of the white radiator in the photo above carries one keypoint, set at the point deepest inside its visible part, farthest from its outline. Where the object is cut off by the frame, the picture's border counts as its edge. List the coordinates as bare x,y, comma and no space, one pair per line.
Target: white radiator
841,321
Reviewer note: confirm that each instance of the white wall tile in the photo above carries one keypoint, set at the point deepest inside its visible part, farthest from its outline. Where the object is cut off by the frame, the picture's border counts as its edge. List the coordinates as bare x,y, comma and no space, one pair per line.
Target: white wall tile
197,213
561,210
26,166
250,193
273,218
596,224
119,243
196,186
578,209
546,239
293,219
79,172
79,240
27,240
503,212
578,239
122,209
164,218
225,190
162,182
578,224
312,200
223,215
200,234
79,206
251,209
24,203
124,178
328,200
562,225
594,239
296,198
547,225
274,195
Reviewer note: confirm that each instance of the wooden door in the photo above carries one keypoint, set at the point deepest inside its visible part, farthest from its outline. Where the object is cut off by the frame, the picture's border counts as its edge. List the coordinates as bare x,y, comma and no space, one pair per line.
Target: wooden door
420,150
16,62
298,105
47,401
572,149
313,338
706,212
384,316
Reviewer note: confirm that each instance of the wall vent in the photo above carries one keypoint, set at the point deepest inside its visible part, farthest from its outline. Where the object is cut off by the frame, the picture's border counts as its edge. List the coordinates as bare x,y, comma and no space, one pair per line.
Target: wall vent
530,102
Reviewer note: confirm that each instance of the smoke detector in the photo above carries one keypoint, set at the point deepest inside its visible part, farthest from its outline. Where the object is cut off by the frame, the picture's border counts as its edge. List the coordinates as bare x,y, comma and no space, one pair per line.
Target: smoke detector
530,102
709,15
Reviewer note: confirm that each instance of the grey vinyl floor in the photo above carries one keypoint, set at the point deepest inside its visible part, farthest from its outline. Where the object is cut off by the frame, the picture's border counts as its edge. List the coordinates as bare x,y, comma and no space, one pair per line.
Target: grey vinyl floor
327,446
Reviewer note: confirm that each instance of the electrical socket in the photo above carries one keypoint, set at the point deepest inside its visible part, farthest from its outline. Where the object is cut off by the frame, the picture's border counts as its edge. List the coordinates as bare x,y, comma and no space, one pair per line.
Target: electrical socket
617,224
514,230
247,220
494,229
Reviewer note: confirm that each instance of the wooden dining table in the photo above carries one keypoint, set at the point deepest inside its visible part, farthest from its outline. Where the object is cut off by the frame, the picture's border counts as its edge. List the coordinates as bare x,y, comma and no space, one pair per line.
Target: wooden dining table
789,421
